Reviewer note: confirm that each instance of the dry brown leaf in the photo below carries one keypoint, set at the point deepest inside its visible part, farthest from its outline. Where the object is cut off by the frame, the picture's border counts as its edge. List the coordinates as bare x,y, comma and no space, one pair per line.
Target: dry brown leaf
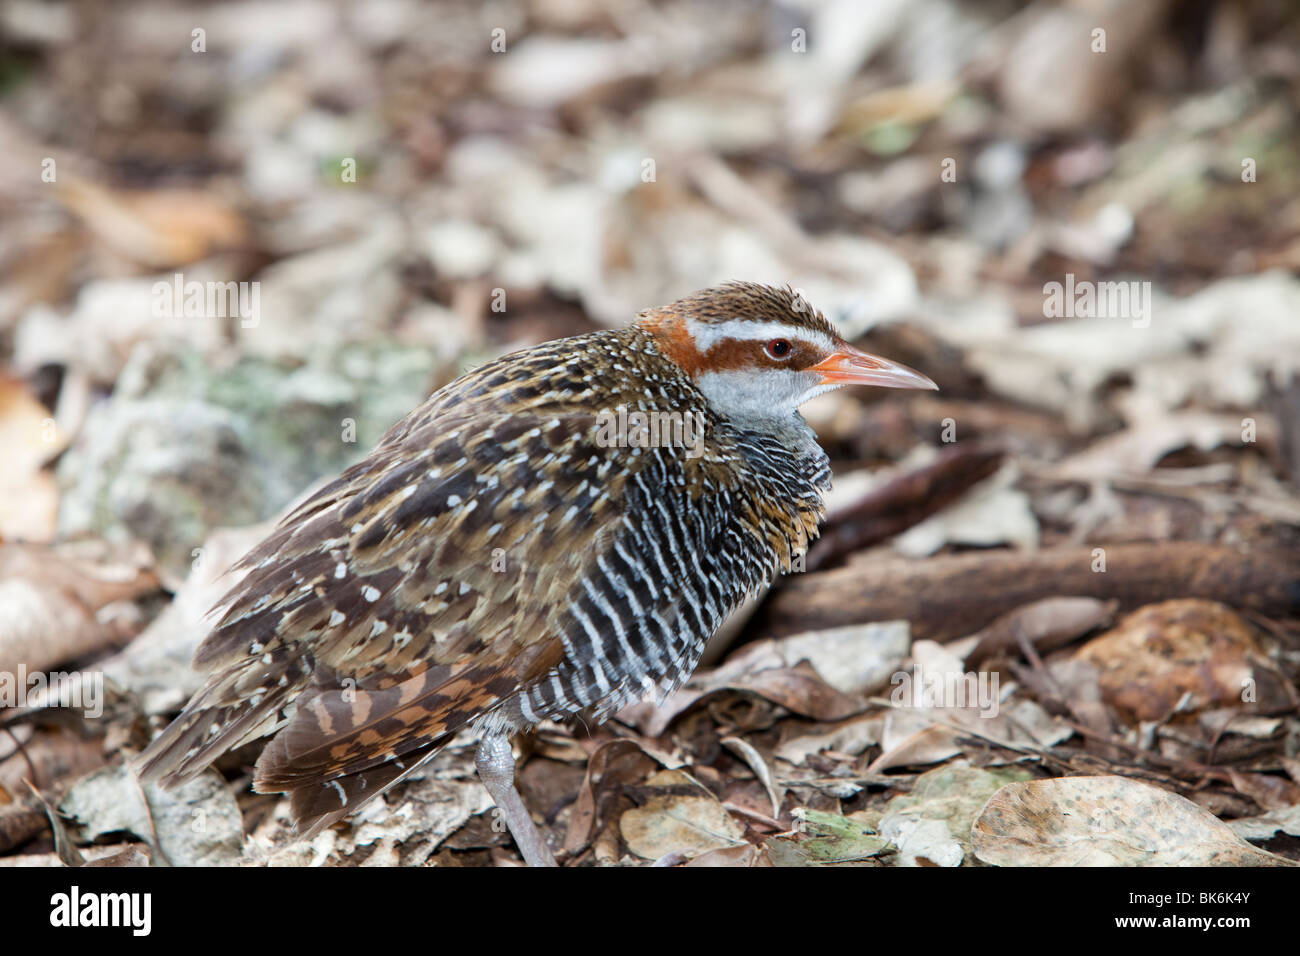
133,854
1271,793
1266,826
851,737
747,855
48,757
815,673
1047,624
196,824
158,229
122,854
908,105
952,795
29,497
60,602
930,743
799,689
754,759
1164,651
19,822
1105,821
1137,449
615,762
686,818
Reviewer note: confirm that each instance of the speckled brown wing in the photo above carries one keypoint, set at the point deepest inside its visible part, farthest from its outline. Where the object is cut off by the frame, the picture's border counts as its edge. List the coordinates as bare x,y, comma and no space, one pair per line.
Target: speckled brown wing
482,565
409,596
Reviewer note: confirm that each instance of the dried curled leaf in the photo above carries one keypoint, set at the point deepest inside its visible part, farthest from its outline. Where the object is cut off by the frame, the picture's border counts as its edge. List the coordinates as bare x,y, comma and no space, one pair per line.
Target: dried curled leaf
1187,654
684,817
1105,821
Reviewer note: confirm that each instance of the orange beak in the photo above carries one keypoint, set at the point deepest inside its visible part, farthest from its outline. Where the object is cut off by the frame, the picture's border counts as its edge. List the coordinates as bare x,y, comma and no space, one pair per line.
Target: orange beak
850,366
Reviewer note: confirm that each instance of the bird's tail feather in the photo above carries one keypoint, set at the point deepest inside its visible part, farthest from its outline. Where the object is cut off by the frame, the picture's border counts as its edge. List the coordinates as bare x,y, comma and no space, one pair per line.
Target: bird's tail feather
318,804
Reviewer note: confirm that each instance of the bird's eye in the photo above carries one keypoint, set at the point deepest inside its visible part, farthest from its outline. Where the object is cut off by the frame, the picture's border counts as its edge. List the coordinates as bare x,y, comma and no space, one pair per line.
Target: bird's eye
778,348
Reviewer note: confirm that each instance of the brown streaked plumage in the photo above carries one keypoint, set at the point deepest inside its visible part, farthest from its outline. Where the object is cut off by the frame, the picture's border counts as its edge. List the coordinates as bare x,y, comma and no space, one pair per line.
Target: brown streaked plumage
496,559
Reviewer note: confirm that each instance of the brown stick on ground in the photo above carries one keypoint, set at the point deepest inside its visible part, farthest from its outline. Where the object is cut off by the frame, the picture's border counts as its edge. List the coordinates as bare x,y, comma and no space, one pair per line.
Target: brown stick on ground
903,501
950,596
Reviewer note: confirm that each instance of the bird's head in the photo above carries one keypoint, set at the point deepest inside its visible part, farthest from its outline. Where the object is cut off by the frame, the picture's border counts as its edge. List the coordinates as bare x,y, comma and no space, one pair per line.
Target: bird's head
758,352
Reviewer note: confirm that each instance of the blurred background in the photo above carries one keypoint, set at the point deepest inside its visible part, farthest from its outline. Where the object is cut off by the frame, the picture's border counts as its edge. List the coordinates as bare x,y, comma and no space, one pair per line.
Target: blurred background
241,239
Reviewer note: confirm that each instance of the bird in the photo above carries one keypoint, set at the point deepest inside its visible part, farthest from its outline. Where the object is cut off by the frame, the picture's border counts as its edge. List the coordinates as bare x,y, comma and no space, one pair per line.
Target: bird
554,535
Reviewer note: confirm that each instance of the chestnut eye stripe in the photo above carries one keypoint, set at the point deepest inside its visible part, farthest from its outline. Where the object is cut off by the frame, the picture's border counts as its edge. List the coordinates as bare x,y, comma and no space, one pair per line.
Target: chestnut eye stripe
709,334
743,354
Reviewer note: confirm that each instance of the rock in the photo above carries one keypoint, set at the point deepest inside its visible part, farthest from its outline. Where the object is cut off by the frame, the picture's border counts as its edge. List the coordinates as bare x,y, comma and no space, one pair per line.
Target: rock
182,447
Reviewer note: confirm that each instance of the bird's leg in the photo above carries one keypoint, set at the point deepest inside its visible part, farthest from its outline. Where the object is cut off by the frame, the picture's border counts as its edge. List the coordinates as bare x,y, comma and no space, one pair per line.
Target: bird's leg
496,768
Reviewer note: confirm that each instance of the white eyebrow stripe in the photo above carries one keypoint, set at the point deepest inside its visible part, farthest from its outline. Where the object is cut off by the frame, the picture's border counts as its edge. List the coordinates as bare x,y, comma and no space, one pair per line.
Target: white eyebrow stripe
708,334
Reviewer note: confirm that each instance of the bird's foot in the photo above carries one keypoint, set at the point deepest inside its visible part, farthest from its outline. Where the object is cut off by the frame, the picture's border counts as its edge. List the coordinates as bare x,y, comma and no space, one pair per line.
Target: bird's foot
496,768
